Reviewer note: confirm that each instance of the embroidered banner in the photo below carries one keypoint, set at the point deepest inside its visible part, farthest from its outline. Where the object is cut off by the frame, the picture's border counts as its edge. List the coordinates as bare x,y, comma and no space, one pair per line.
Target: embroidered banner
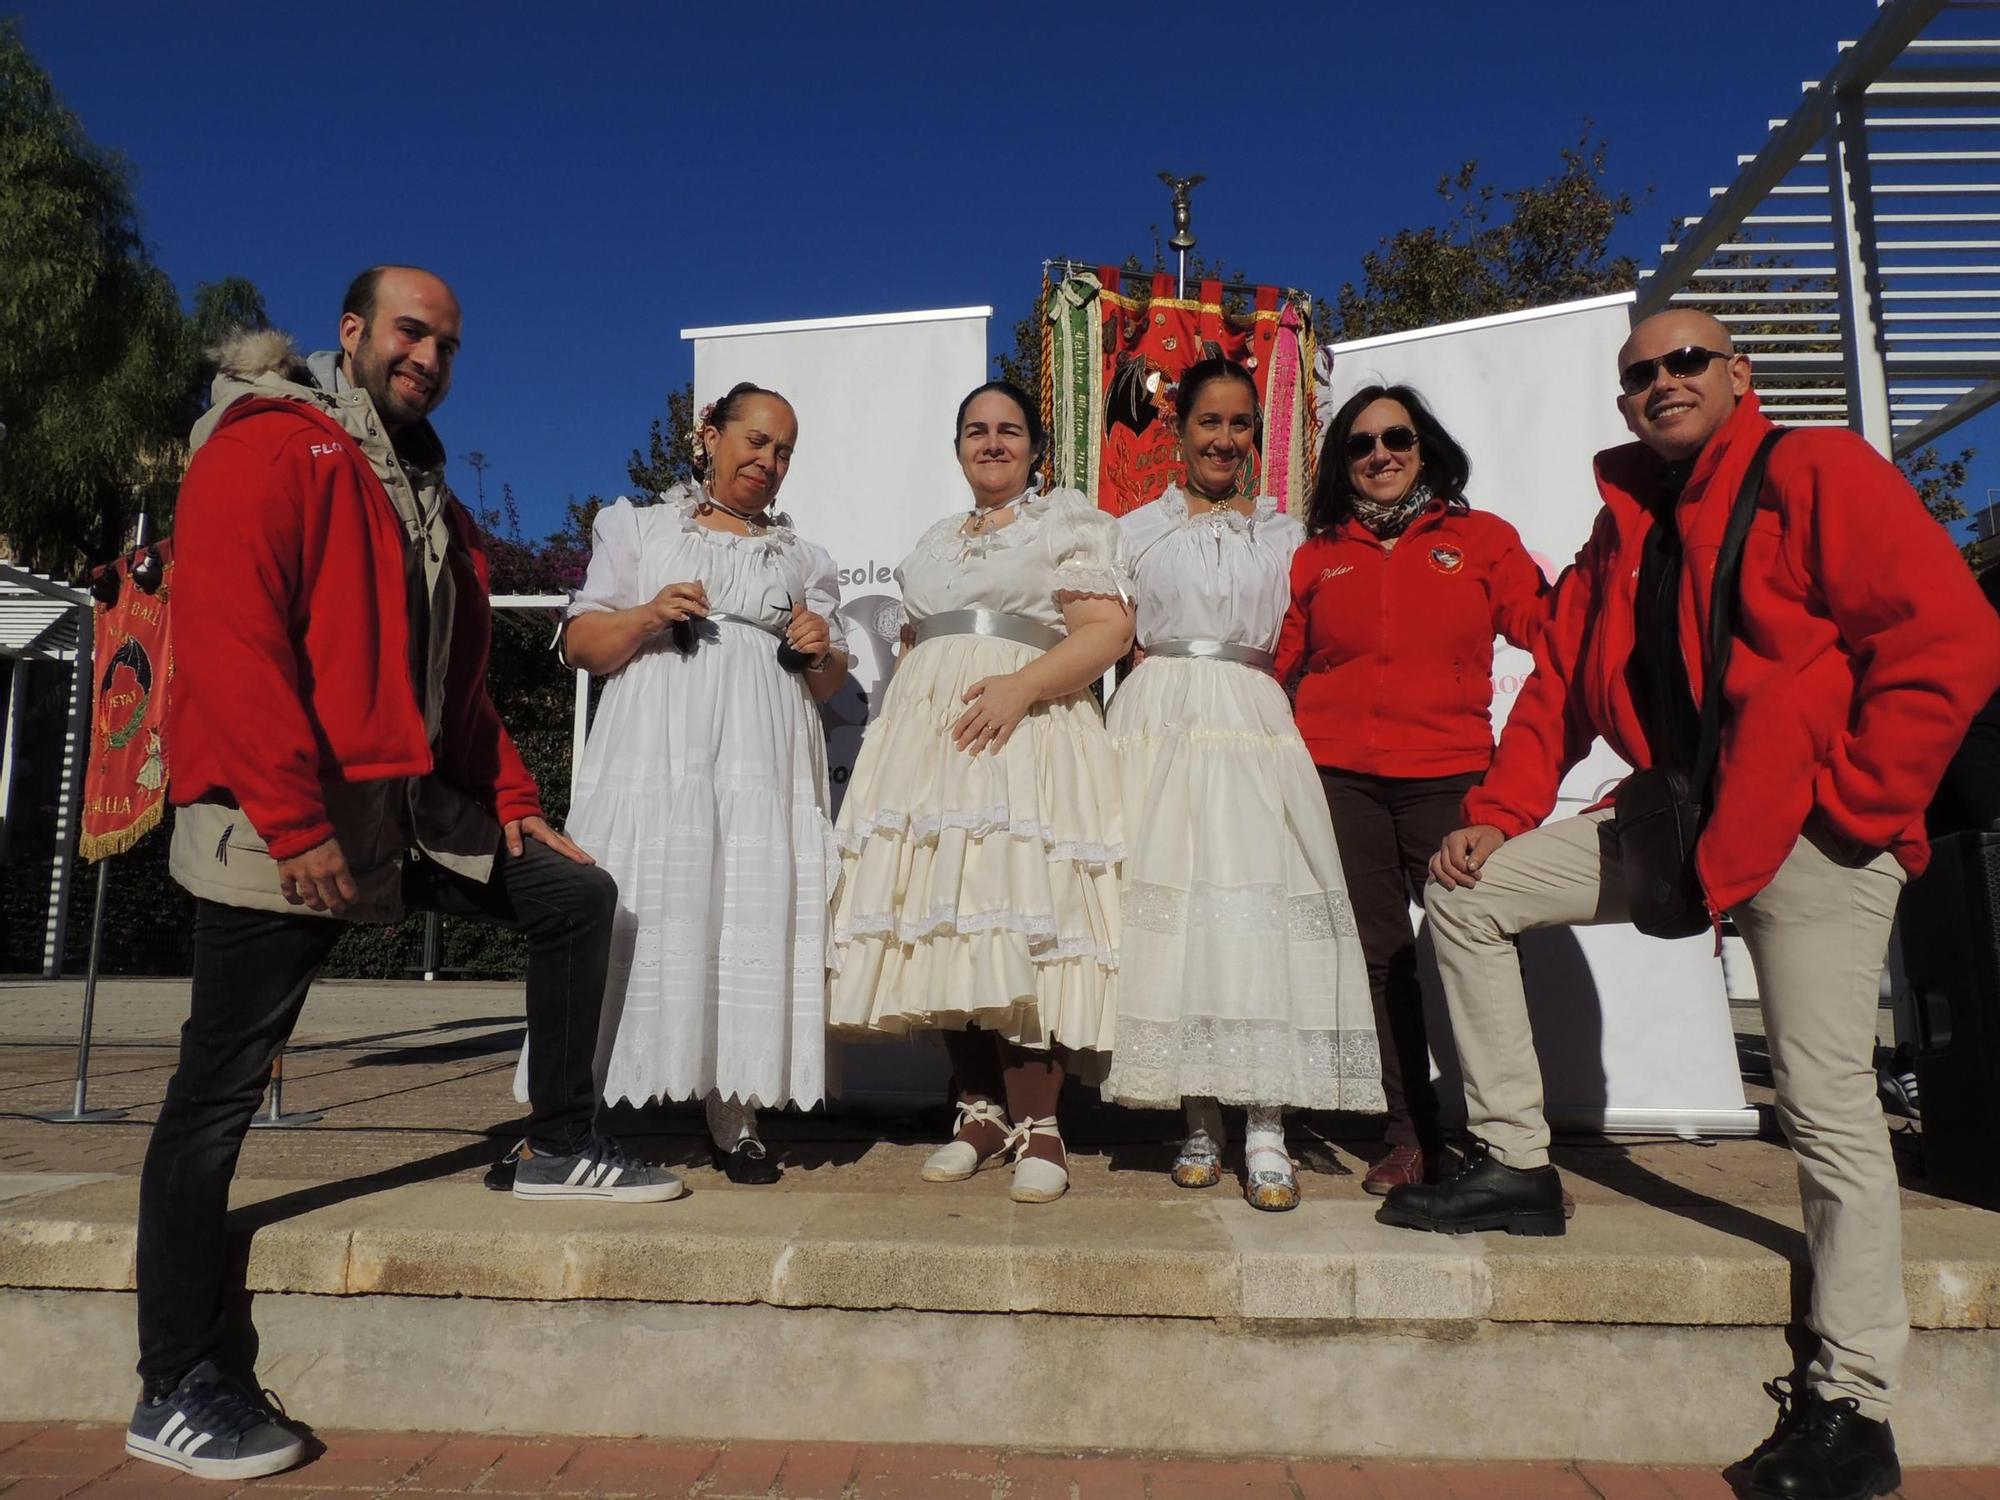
125,782
1112,362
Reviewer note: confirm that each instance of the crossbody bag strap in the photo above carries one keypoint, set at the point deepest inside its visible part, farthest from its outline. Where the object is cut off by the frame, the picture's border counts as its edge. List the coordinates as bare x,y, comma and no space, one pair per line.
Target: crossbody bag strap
1723,601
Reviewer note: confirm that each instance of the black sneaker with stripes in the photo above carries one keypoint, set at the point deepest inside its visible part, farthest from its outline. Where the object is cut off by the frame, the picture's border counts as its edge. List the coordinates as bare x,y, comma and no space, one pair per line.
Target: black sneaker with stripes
601,1169
213,1428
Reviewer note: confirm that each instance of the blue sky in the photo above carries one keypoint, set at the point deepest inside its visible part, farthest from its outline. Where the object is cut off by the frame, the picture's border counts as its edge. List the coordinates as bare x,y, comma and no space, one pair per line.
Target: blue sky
594,177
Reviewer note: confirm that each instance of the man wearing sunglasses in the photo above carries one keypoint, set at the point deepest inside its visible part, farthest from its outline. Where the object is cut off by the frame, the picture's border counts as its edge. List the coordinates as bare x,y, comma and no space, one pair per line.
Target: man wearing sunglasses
1862,651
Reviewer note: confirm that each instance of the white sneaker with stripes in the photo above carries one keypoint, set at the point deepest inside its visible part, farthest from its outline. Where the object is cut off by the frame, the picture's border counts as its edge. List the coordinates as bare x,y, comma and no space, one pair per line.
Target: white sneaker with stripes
600,1170
213,1428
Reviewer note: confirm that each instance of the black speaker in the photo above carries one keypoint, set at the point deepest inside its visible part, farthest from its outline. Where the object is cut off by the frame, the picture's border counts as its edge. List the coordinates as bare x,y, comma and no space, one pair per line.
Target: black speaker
1951,954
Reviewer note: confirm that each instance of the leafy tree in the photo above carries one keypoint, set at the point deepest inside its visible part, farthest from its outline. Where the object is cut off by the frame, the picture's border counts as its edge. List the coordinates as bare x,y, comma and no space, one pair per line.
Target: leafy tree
1551,246
669,458
1938,481
101,372
90,332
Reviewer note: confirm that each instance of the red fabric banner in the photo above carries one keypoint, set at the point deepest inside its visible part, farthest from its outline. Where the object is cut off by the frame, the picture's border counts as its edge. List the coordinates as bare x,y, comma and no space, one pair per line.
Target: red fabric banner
1148,345
125,785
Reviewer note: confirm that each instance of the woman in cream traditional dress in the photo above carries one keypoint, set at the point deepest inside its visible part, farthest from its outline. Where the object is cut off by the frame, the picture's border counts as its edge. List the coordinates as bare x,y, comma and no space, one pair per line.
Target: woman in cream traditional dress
703,788
1241,978
981,835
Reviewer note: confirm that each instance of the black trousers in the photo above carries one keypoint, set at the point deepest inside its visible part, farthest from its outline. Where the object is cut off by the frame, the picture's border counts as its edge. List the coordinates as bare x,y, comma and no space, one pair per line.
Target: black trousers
1388,827
251,973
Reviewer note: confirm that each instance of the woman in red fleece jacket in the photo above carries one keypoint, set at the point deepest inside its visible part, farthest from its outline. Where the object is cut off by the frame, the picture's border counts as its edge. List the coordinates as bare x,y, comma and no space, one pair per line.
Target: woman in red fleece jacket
1397,595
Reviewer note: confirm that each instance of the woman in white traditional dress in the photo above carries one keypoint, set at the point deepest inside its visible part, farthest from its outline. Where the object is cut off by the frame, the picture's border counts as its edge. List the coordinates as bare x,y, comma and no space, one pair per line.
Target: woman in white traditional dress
1240,974
703,788
981,833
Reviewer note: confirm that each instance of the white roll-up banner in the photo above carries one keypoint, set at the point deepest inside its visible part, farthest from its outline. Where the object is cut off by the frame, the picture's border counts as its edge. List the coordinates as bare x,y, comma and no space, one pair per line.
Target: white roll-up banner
1633,1032
877,398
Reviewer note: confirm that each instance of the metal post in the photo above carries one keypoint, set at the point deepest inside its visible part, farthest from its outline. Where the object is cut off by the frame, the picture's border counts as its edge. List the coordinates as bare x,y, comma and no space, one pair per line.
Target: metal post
76,749
274,1116
77,1113
10,744
433,945
579,729
1851,191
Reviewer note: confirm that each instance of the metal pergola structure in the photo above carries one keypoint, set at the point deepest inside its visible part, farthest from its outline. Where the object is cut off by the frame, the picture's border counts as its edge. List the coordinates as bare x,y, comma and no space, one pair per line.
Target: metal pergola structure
43,620
1856,257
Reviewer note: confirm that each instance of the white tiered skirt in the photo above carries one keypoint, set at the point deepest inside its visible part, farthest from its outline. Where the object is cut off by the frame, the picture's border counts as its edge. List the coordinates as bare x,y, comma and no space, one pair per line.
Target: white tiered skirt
979,889
1241,974
703,792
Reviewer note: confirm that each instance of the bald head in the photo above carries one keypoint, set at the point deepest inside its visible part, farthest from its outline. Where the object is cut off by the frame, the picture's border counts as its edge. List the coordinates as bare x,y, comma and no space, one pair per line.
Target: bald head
1675,414
1676,328
399,334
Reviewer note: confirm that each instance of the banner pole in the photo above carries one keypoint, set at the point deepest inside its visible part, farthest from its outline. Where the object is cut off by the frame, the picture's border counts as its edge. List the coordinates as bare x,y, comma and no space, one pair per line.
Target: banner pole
76,1114
274,1116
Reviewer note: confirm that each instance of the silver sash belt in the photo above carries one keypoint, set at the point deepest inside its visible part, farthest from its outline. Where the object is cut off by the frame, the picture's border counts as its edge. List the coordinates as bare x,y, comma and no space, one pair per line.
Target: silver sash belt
1017,628
723,617
1249,656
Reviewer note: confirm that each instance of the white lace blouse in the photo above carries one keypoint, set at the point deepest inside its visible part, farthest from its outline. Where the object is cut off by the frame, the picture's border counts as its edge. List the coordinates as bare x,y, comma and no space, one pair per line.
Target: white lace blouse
1058,548
1214,576
637,550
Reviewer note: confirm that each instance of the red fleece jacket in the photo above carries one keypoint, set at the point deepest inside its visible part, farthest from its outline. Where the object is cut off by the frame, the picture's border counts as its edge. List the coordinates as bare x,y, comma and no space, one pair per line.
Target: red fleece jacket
1397,644
292,641
1863,650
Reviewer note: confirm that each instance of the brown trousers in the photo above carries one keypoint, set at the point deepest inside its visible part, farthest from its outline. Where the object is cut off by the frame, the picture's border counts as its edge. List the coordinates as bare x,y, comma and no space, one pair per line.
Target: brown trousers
1388,827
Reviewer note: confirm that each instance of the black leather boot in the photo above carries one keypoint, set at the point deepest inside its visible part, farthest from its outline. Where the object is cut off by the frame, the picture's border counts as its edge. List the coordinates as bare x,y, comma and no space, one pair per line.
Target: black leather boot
1480,1193
1825,1450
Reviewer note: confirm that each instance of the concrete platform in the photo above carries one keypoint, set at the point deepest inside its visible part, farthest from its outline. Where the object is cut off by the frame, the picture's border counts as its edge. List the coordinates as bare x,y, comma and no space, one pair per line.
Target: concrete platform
388,1289
946,1316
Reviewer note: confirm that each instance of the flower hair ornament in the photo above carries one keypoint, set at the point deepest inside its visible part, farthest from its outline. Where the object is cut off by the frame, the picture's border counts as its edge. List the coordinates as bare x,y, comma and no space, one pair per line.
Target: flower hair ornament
698,449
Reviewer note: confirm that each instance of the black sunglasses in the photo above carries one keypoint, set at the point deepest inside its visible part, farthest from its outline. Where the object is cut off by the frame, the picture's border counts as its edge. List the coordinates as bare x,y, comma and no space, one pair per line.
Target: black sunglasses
1397,439
1679,363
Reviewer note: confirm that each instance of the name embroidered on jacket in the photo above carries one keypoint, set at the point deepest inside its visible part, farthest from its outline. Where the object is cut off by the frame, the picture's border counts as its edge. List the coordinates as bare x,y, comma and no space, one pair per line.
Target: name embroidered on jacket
1336,572
324,450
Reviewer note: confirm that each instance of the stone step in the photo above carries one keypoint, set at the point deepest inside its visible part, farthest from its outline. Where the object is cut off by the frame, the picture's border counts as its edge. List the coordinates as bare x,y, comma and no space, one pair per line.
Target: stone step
960,1317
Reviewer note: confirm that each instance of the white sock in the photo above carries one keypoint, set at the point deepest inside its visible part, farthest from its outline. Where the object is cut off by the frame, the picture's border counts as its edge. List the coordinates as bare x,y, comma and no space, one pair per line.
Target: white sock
1264,1128
729,1122
1204,1119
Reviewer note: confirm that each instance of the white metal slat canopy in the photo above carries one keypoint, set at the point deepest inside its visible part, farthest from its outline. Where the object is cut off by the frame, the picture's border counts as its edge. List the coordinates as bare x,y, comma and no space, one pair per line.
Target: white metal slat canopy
45,620
1897,337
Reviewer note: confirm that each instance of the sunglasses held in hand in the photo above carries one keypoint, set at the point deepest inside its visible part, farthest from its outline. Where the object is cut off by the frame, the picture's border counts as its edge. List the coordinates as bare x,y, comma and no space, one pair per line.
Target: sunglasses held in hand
1679,363
1398,439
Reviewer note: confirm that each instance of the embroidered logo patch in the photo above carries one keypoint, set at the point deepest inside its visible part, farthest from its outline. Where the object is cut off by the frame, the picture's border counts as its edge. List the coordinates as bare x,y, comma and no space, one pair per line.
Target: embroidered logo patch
1447,559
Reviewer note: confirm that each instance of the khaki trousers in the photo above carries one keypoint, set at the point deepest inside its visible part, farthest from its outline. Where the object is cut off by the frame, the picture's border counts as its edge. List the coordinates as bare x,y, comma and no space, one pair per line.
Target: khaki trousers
1817,935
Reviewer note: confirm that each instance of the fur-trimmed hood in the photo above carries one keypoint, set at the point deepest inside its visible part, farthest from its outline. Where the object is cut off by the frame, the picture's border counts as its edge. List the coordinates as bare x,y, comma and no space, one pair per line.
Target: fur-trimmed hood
255,362
249,354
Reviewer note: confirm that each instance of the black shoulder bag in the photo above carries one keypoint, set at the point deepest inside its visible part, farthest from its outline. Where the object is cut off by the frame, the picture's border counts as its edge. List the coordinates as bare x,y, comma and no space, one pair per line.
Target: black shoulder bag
1659,813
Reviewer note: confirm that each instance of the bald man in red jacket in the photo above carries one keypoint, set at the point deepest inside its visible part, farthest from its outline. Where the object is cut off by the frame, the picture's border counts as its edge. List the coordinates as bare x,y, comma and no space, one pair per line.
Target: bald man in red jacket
1862,650
336,758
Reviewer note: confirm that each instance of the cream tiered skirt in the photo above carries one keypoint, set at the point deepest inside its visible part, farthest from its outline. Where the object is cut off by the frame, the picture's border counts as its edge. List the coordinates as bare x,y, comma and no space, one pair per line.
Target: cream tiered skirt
1241,975
979,889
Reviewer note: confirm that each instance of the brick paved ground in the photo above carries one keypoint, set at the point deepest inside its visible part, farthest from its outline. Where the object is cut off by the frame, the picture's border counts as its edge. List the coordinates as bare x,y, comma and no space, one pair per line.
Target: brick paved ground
44,1463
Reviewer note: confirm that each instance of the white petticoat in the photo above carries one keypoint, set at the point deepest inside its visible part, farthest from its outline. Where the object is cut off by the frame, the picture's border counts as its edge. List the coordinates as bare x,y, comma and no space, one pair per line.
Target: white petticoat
1241,974
979,888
